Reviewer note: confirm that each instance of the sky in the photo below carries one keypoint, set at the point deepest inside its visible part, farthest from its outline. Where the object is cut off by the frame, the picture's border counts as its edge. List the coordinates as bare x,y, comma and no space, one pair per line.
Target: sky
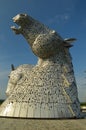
67,17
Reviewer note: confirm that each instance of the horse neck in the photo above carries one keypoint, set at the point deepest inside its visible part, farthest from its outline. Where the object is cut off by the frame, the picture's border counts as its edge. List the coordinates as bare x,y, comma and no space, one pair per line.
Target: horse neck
63,57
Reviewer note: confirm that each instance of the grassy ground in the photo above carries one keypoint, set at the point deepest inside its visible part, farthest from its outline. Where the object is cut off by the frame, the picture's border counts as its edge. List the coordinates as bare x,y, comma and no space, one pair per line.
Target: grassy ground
83,103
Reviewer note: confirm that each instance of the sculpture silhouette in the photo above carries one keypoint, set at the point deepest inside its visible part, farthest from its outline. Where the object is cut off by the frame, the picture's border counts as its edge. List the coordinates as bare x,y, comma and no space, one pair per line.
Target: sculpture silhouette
48,89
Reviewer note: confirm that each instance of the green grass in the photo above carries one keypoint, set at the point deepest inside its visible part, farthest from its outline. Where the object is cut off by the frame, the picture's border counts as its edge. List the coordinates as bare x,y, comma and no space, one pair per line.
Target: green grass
83,103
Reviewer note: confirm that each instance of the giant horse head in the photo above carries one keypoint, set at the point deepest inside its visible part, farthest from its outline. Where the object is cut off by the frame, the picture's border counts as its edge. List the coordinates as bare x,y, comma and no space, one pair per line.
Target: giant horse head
43,41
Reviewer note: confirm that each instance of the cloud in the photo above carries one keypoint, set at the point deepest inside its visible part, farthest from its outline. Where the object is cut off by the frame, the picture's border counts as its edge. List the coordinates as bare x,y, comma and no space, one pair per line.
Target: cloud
62,17
66,9
3,74
59,18
3,83
81,80
81,84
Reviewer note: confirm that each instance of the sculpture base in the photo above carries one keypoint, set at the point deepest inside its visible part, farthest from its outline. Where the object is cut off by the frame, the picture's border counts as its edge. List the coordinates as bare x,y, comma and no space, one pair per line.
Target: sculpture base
24,110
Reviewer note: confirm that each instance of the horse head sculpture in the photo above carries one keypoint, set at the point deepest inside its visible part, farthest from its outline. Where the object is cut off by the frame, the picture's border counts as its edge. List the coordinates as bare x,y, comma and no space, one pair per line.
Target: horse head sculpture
48,89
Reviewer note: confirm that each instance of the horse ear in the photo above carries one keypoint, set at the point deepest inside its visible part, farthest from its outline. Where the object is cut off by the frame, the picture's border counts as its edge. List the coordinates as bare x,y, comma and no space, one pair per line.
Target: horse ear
68,42
12,67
